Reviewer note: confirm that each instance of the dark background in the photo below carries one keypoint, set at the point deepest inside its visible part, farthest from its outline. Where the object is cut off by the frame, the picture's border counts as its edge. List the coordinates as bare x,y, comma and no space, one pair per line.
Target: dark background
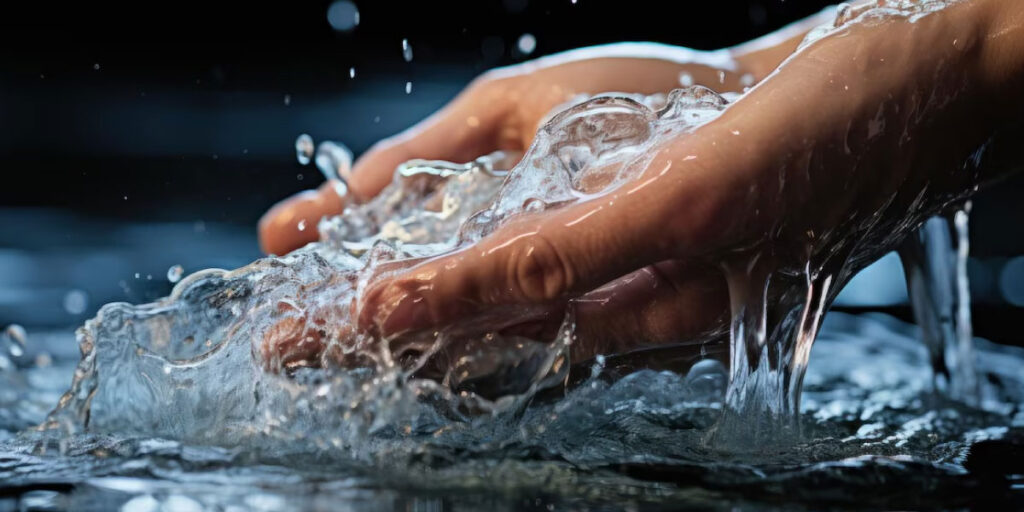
136,136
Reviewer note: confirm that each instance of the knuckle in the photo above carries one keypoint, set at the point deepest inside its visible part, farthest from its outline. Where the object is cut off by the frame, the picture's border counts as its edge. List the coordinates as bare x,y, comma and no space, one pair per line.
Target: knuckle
539,271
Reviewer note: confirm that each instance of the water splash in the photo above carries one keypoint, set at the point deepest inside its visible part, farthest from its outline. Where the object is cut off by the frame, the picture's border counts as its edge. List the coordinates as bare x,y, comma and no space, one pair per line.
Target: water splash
271,348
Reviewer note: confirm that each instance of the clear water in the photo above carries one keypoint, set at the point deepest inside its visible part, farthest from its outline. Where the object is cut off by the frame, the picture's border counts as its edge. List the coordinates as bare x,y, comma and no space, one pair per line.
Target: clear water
252,388
875,434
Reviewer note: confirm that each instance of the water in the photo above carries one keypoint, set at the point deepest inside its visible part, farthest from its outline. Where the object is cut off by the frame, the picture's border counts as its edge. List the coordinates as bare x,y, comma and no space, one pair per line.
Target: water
251,387
875,435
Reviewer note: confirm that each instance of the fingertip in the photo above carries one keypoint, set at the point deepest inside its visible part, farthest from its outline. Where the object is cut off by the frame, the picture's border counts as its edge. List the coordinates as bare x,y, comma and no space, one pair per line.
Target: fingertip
292,223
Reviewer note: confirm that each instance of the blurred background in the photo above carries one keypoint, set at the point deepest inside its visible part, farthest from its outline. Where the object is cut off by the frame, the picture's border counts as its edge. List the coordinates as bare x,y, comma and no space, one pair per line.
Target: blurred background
139,136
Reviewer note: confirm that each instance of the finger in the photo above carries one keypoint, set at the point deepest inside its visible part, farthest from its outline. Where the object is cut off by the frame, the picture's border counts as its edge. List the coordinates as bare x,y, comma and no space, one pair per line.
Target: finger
670,302
474,124
666,303
292,223
538,258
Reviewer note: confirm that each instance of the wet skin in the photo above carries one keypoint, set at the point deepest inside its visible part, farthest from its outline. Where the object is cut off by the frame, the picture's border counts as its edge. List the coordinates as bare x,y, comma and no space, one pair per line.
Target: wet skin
865,120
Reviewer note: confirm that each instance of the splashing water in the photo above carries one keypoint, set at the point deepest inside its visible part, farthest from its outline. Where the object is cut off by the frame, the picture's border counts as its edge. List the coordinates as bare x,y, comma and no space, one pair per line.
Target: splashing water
267,356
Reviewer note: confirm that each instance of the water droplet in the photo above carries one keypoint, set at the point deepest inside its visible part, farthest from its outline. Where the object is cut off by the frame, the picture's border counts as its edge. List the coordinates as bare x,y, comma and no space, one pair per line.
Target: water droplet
75,302
299,177
96,66
343,16
526,44
406,50
408,87
174,273
137,275
302,225
747,80
685,79
287,99
335,162
721,77
20,337
352,72
304,149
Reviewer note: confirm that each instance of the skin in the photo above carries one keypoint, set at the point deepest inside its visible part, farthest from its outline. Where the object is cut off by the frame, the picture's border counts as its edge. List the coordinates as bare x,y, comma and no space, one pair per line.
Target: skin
858,122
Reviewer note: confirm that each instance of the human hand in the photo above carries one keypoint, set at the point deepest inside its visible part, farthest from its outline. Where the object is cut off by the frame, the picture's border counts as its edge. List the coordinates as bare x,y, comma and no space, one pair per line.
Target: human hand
503,108
840,152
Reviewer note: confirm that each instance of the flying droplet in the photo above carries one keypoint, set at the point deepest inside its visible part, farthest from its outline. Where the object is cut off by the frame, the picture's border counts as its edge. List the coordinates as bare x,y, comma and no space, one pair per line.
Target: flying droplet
685,79
408,87
287,99
747,80
526,44
174,273
352,72
406,50
302,225
96,66
335,162
75,302
16,333
304,149
721,77
343,16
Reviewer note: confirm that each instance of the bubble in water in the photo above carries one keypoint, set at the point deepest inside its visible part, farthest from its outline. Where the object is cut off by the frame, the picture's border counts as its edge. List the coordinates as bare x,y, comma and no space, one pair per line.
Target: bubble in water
343,16
406,50
526,44
304,149
174,273
75,302
408,87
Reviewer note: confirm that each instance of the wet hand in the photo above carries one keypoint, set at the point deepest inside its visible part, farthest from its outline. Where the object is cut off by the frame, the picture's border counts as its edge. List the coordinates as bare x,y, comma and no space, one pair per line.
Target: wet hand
855,133
502,110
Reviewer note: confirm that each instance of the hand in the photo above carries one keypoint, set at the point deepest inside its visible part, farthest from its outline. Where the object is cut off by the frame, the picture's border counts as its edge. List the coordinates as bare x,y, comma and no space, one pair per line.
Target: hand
503,108
845,146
